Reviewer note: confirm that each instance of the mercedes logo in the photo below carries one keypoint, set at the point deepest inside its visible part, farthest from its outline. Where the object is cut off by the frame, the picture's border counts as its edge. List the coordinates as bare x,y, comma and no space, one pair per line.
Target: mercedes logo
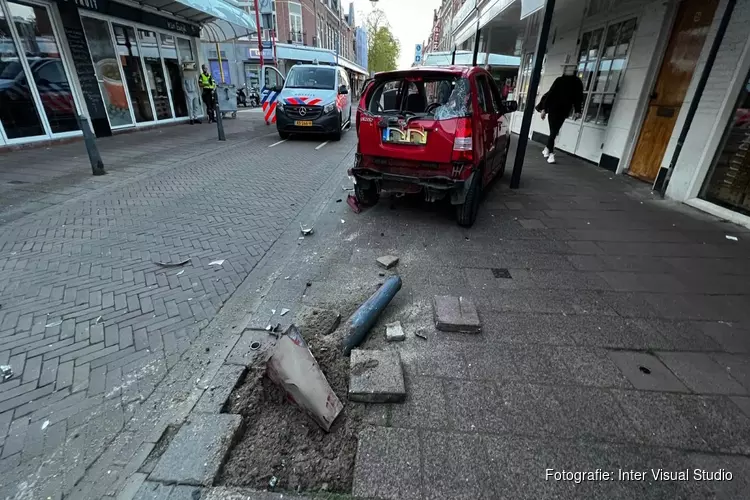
302,111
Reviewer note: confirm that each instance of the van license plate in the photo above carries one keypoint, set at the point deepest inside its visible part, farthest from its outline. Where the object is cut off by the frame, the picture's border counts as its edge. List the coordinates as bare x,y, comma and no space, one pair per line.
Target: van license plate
303,123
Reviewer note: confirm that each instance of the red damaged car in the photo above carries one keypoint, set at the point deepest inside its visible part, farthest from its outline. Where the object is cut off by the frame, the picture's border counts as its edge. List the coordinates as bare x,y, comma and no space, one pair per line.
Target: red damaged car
439,131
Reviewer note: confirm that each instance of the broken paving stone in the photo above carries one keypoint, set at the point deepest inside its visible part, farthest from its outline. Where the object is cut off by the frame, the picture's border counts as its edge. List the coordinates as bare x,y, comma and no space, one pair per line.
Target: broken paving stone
376,377
394,332
456,314
387,261
197,452
222,385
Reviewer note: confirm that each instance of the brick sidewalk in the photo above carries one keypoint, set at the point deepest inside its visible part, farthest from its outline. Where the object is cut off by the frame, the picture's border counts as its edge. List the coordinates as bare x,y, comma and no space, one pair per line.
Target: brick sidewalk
88,322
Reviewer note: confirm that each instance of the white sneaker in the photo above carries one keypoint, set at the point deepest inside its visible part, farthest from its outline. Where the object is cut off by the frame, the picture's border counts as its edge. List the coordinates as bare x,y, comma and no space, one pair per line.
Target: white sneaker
551,158
545,152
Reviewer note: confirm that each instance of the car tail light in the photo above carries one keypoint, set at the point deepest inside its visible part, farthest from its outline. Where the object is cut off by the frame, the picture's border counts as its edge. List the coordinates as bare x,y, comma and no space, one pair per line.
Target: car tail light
463,144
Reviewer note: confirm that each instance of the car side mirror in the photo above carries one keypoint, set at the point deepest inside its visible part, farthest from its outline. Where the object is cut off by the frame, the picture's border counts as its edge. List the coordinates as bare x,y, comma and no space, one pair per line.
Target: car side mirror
511,106
343,90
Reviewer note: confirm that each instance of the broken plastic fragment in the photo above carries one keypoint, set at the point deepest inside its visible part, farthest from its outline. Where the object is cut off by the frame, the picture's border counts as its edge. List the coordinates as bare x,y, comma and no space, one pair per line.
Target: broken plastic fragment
6,371
180,272
217,262
305,231
45,424
54,323
733,238
273,311
284,311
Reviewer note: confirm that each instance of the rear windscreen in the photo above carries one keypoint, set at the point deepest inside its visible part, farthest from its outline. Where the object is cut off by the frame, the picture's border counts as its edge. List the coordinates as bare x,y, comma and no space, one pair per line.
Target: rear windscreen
440,97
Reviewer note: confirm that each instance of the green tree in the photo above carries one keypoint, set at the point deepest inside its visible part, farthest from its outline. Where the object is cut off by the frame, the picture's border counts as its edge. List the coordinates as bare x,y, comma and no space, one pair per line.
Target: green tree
383,48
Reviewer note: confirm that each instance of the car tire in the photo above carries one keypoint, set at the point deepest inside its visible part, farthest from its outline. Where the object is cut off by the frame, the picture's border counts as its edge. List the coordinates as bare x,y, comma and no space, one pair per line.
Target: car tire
367,196
466,213
337,135
283,135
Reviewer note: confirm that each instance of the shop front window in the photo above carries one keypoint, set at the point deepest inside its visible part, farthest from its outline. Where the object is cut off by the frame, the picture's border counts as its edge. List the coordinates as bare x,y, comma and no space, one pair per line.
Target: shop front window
186,50
18,112
107,71
174,74
130,58
35,33
728,182
601,62
155,74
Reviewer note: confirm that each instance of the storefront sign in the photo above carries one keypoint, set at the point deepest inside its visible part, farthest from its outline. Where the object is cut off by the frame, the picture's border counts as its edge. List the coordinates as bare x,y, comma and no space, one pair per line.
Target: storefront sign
129,13
79,50
255,54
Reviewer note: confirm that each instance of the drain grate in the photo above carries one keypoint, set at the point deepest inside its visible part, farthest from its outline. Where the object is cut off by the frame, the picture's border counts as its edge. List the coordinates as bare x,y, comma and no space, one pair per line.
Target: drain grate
501,272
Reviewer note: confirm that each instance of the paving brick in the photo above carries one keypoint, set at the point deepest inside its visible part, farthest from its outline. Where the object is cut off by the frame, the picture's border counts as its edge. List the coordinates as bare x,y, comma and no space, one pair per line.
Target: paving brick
64,375
221,386
701,373
197,451
456,314
376,377
388,464
32,369
646,372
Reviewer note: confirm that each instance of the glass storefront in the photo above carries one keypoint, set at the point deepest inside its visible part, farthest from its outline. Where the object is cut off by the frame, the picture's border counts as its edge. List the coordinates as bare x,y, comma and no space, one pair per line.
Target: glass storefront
140,70
35,93
728,182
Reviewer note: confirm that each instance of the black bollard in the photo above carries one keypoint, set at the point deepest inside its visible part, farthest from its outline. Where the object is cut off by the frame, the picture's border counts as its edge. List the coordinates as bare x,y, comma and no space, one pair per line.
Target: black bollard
219,122
97,166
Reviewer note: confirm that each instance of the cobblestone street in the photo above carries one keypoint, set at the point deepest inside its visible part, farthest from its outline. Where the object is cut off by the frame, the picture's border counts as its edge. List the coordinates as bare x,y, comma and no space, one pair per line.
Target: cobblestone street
89,322
615,325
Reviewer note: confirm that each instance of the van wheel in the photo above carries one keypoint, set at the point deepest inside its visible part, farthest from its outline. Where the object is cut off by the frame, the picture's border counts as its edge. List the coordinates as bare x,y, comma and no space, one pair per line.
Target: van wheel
367,196
466,213
337,135
283,135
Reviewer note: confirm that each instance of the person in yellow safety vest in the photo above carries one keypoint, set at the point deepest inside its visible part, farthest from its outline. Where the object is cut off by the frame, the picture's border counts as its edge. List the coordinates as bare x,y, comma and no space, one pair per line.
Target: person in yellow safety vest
207,83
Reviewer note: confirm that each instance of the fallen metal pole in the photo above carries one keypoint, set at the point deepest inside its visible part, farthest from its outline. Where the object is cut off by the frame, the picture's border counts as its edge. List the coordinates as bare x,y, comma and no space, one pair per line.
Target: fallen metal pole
367,314
89,140
528,112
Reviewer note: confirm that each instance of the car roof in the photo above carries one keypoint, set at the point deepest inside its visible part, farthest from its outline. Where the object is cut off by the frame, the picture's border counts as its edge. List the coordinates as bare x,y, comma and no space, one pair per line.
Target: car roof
420,70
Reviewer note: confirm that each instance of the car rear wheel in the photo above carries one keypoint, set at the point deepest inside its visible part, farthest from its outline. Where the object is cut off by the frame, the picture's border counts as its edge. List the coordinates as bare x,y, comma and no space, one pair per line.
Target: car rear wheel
366,196
466,213
283,135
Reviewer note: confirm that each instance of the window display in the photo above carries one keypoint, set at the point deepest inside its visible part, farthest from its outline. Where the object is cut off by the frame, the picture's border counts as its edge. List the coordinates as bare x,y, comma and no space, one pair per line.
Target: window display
728,181
18,112
34,30
174,74
130,58
107,70
156,79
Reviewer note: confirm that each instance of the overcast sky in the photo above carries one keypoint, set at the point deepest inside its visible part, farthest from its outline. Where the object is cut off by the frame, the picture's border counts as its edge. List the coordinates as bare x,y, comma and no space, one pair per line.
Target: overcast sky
410,20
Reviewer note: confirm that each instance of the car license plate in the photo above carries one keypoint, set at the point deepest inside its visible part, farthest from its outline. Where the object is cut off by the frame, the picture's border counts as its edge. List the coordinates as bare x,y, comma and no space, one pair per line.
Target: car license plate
303,123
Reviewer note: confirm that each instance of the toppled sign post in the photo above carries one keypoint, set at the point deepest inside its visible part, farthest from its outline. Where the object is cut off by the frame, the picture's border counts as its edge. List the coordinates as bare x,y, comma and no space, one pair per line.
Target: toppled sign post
293,367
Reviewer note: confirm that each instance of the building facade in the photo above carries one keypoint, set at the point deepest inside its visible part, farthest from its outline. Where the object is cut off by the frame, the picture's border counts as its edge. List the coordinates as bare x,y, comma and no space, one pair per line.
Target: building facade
121,64
667,86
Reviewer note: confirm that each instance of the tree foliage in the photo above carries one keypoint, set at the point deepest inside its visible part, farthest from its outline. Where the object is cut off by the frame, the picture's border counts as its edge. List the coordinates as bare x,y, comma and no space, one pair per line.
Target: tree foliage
383,48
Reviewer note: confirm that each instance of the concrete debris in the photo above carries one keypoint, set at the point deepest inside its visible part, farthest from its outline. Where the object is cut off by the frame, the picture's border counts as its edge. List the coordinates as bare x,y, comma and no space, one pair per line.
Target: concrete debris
216,262
305,231
284,311
376,377
6,371
273,482
365,317
387,261
273,311
293,367
394,332
420,333
456,314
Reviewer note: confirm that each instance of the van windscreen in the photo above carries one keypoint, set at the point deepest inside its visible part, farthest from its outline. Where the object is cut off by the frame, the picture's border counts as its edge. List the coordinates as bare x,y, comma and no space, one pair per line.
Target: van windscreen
311,78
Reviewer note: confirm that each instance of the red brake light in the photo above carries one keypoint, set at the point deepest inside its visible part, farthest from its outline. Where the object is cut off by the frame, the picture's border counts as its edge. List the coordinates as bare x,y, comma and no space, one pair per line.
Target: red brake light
463,144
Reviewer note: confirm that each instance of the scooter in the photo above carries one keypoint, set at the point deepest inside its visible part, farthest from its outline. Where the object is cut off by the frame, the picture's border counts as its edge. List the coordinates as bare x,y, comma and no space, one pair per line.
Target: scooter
253,98
241,97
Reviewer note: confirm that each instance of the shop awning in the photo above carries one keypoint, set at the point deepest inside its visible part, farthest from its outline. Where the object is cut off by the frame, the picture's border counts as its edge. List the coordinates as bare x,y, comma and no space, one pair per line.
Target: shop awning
220,21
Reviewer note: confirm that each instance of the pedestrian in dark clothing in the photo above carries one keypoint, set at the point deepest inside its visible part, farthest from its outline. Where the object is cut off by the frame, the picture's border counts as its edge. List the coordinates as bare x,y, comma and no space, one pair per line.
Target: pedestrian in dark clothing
565,95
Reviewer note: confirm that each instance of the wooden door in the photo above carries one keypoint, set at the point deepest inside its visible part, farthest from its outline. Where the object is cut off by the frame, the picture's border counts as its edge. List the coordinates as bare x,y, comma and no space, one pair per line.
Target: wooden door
686,42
